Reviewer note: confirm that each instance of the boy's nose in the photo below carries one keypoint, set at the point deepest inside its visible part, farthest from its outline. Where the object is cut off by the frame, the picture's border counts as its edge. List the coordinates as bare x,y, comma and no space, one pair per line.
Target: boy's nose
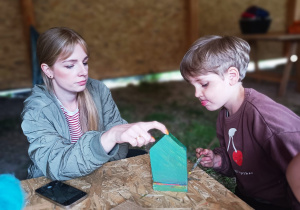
198,92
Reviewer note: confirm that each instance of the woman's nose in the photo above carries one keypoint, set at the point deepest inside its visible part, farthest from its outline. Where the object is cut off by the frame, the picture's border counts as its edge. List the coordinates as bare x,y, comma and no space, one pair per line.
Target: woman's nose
83,70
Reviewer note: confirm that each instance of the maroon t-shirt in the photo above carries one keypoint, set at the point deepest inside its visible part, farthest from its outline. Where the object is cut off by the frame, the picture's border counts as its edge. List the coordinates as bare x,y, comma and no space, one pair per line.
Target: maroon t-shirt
257,144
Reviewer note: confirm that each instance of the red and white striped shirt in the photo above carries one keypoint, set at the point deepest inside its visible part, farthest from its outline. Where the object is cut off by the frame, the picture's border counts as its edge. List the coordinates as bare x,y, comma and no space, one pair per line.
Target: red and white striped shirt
73,123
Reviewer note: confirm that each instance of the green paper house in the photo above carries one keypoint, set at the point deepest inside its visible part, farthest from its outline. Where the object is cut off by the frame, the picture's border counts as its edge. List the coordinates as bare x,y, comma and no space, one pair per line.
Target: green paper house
168,158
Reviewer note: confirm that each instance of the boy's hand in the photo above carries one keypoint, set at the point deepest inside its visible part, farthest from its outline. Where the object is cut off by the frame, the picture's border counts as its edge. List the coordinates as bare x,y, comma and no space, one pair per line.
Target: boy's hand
210,160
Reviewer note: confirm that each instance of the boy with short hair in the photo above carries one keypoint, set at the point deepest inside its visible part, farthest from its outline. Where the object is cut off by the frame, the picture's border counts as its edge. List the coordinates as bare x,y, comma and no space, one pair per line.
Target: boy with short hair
258,137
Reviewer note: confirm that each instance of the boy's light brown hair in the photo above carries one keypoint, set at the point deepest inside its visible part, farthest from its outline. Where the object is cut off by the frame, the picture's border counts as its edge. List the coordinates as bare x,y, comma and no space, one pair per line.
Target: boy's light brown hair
215,54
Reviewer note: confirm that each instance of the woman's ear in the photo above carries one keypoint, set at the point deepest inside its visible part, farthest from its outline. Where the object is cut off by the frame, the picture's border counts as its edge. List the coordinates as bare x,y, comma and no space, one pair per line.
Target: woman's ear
234,75
46,69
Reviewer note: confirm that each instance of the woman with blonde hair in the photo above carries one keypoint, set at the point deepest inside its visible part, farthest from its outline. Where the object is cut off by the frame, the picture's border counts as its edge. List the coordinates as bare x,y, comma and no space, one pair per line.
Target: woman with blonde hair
71,122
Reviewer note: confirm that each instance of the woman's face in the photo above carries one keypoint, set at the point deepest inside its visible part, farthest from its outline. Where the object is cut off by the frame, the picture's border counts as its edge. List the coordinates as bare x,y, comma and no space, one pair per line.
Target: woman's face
70,75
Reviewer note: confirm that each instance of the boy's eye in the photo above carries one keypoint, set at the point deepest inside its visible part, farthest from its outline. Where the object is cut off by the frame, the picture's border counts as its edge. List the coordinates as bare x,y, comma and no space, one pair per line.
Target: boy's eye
205,85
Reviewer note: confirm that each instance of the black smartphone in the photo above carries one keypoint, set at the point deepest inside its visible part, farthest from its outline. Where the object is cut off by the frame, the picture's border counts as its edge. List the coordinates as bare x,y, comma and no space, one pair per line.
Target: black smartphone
61,194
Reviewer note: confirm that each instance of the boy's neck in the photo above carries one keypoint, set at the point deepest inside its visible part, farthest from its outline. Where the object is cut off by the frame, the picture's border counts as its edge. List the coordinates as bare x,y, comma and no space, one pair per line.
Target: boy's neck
238,96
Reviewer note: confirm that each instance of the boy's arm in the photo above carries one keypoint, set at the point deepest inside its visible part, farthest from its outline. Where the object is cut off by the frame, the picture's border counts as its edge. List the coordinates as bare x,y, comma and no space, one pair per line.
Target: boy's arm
293,176
225,165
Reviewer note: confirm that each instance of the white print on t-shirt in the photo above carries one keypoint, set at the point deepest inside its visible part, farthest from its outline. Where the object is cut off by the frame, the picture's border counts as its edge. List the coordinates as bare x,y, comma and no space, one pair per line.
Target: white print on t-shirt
231,133
237,155
243,172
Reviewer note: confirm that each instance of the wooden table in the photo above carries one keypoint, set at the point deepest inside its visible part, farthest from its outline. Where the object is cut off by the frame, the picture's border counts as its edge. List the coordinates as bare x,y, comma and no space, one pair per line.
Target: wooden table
127,184
293,40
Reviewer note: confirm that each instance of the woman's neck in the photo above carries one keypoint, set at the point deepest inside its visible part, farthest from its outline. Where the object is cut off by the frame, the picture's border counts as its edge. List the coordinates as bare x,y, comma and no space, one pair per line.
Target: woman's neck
69,101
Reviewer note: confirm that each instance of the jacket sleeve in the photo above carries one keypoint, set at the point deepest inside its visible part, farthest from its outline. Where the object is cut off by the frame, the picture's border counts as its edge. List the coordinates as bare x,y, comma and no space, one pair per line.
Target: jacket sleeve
109,116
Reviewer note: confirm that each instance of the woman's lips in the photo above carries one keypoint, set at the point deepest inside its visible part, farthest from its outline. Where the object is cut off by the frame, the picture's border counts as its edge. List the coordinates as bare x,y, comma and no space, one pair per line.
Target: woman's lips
204,103
82,82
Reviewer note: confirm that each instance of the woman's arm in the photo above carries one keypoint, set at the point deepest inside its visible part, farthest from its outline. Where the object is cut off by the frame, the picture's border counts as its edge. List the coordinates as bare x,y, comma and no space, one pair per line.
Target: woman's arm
52,152
117,131
50,148
135,134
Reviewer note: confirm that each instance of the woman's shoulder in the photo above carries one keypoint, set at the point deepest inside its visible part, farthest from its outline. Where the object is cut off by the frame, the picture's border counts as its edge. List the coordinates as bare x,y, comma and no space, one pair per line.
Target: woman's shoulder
97,87
95,82
38,99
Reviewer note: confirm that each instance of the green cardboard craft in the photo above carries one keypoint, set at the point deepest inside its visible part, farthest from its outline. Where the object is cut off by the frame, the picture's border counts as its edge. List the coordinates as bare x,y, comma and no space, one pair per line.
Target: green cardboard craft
168,158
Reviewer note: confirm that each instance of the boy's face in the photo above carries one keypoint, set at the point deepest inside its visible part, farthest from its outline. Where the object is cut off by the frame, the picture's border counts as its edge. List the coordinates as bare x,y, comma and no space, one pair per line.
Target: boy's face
212,90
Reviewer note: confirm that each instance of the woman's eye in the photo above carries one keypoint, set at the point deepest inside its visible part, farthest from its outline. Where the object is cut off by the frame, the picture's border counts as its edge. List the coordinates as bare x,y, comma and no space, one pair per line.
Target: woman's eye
205,85
69,66
85,63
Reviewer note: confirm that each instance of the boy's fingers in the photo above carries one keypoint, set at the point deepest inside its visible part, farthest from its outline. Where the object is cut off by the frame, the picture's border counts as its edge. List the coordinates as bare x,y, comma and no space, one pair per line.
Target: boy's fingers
199,150
205,151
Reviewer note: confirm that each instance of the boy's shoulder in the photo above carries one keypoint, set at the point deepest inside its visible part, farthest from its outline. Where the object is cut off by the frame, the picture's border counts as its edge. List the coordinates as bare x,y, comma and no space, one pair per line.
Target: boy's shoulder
262,102
258,105
252,95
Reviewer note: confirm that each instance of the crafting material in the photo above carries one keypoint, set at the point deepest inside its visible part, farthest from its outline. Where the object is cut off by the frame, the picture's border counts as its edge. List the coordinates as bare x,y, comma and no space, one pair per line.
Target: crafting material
197,162
201,156
168,158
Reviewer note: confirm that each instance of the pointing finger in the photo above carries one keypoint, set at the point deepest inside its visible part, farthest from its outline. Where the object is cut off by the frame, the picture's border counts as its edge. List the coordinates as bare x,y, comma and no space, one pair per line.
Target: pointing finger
155,125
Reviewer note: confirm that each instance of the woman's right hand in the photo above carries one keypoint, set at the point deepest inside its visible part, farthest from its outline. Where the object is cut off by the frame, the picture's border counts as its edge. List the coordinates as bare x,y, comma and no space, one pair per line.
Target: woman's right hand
135,134
209,160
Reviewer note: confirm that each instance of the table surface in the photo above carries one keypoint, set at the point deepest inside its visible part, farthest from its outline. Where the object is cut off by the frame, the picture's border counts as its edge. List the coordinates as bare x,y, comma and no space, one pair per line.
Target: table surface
127,184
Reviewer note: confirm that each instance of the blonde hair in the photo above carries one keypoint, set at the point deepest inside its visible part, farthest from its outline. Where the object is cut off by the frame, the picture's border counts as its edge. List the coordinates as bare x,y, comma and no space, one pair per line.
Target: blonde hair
59,43
215,54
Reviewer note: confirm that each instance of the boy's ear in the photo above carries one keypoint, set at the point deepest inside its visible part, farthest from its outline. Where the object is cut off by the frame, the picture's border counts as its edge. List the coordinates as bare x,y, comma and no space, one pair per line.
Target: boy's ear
234,75
47,70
